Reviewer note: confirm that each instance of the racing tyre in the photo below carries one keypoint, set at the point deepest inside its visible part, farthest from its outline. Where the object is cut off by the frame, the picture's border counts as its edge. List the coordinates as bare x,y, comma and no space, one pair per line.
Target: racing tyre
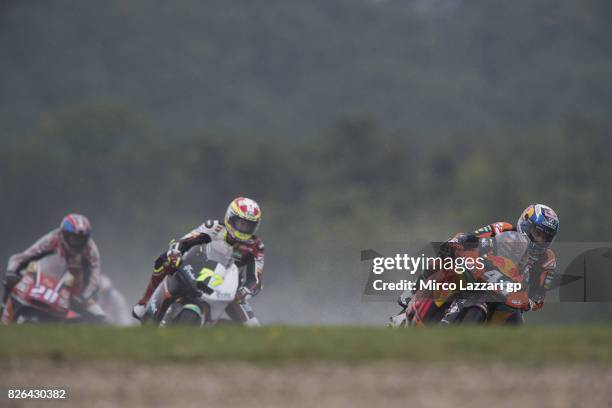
474,315
188,317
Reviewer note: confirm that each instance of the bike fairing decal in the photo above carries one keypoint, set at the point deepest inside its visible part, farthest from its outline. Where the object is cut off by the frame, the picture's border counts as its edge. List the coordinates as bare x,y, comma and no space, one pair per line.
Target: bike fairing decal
215,278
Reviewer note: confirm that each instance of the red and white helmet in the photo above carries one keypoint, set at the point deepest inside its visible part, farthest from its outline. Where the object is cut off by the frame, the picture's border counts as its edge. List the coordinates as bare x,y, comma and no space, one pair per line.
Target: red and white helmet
242,218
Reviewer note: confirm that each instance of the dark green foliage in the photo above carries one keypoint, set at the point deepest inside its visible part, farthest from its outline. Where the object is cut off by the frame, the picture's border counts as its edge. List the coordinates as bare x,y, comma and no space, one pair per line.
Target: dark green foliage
356,177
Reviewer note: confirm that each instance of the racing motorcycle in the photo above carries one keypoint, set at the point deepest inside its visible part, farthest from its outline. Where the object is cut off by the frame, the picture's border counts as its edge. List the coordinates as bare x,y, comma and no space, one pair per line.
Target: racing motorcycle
198,292
42,295
502,255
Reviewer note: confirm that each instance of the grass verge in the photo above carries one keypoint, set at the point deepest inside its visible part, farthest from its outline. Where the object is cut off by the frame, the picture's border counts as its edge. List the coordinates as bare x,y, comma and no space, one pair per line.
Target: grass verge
286,344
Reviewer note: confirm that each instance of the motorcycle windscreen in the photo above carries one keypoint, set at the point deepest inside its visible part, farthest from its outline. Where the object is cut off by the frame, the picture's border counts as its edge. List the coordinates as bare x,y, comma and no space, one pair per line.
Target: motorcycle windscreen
511,245
52,266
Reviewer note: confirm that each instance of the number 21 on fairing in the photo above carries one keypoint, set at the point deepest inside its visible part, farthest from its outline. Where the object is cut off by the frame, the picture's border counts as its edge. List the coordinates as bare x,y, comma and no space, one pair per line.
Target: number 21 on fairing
42,291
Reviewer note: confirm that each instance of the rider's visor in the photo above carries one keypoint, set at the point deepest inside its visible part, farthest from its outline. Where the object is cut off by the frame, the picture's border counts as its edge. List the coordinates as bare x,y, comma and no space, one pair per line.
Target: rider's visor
542,234
244,226
75,241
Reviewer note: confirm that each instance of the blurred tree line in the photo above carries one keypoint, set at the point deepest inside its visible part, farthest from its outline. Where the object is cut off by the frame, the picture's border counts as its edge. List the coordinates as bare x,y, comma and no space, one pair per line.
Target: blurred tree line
356,181
294,67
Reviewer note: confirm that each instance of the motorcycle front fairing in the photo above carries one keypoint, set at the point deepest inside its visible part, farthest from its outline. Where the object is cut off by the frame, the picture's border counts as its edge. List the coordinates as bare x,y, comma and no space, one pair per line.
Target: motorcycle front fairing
202,283
502,257
211,270
43,292
226,286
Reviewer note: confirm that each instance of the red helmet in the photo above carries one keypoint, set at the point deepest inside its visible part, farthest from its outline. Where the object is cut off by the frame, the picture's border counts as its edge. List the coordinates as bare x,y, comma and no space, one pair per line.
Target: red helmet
242,218
75,232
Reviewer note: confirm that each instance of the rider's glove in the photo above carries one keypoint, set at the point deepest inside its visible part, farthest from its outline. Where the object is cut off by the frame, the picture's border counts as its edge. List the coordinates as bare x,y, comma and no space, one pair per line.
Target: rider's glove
138,311
170,259
173,258
462,241
10,280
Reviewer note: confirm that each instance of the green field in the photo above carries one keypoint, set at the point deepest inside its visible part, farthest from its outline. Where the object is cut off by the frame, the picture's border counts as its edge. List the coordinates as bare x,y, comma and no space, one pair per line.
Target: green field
282,344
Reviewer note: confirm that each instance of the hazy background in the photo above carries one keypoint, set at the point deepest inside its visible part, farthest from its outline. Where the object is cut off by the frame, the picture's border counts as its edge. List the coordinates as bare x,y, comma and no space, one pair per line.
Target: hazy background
354,123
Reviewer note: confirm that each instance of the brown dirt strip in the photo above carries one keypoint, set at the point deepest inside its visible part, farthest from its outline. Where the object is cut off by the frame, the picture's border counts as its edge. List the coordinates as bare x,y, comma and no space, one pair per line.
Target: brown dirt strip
307,385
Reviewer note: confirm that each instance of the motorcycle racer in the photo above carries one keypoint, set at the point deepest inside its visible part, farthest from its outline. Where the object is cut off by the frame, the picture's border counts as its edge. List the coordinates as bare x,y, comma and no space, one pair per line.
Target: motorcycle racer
237,231
538,222
73,242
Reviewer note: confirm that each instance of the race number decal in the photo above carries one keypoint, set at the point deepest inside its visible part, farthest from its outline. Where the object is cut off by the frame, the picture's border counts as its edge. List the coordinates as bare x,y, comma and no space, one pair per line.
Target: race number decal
215,278
493,275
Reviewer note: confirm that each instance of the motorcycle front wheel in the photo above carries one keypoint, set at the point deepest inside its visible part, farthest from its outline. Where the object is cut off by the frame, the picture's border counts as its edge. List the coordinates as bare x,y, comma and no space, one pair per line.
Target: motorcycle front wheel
474,315
188,317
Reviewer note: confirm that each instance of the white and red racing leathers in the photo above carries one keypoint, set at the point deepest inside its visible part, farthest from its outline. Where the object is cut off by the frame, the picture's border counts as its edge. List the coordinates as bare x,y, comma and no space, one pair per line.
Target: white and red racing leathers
248,256
84,265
